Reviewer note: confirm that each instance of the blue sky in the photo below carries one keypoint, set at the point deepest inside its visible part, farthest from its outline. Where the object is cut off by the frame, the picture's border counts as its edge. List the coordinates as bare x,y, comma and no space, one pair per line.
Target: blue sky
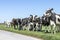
23,8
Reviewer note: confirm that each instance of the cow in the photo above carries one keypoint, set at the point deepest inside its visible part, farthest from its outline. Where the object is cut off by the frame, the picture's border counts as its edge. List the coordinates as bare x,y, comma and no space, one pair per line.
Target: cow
31,18
45,23
38,22
24,23
7,24
16,23
19,24
54,19
34,23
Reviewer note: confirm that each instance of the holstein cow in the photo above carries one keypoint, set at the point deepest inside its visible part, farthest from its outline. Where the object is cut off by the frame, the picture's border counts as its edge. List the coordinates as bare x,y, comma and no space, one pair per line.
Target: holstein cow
54,19
17,23
20,24
32,24
25,23
38,22
46,23
7,23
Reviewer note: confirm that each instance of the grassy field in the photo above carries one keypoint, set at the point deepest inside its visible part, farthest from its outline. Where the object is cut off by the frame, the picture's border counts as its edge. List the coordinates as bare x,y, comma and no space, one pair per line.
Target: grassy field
42,35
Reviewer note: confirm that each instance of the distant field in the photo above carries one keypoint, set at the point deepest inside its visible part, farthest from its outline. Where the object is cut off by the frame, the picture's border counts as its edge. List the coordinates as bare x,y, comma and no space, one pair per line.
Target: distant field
42,35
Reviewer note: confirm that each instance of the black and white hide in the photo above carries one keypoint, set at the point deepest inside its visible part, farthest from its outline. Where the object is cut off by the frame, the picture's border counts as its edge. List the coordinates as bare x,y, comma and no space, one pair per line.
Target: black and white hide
25,23
45,23
38,22
17,23
31,23
7,24
54,19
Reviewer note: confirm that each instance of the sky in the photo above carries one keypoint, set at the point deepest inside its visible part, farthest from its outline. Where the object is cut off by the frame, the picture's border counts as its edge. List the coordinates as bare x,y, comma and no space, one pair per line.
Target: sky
23,8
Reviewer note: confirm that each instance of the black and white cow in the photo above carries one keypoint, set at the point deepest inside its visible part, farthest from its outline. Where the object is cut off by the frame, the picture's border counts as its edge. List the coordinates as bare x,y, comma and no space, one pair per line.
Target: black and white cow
45,23
38,21
34,23
25,22
54,19
16,23
7,23
31,23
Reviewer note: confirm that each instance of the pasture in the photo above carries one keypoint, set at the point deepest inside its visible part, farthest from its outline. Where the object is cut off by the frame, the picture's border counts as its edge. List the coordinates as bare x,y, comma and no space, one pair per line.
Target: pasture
42,35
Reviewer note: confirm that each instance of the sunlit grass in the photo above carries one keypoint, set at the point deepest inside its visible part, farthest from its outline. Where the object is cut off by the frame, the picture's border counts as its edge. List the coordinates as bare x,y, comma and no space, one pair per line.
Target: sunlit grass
42,35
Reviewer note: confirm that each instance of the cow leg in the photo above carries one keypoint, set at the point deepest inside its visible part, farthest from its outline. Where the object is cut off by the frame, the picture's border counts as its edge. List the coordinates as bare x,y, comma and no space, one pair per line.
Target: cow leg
40,27
37,27
31,27
20,27
59,28
9,25
17,26
53,26
46,28
34,27
53,29
23,27
14,26
28,27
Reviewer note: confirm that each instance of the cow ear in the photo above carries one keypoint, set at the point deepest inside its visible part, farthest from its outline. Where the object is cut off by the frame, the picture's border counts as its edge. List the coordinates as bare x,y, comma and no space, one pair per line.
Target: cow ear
52,9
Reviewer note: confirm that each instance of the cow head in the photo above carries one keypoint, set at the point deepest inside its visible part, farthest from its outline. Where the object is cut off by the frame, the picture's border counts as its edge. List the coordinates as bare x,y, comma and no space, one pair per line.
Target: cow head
48,13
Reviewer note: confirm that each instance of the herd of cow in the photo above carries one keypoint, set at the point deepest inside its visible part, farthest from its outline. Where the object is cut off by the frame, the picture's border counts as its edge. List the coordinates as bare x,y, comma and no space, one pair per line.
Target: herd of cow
34,23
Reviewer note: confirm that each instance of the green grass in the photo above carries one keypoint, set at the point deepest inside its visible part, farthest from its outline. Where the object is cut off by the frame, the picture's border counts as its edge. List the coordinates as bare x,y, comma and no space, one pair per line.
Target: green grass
42,35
